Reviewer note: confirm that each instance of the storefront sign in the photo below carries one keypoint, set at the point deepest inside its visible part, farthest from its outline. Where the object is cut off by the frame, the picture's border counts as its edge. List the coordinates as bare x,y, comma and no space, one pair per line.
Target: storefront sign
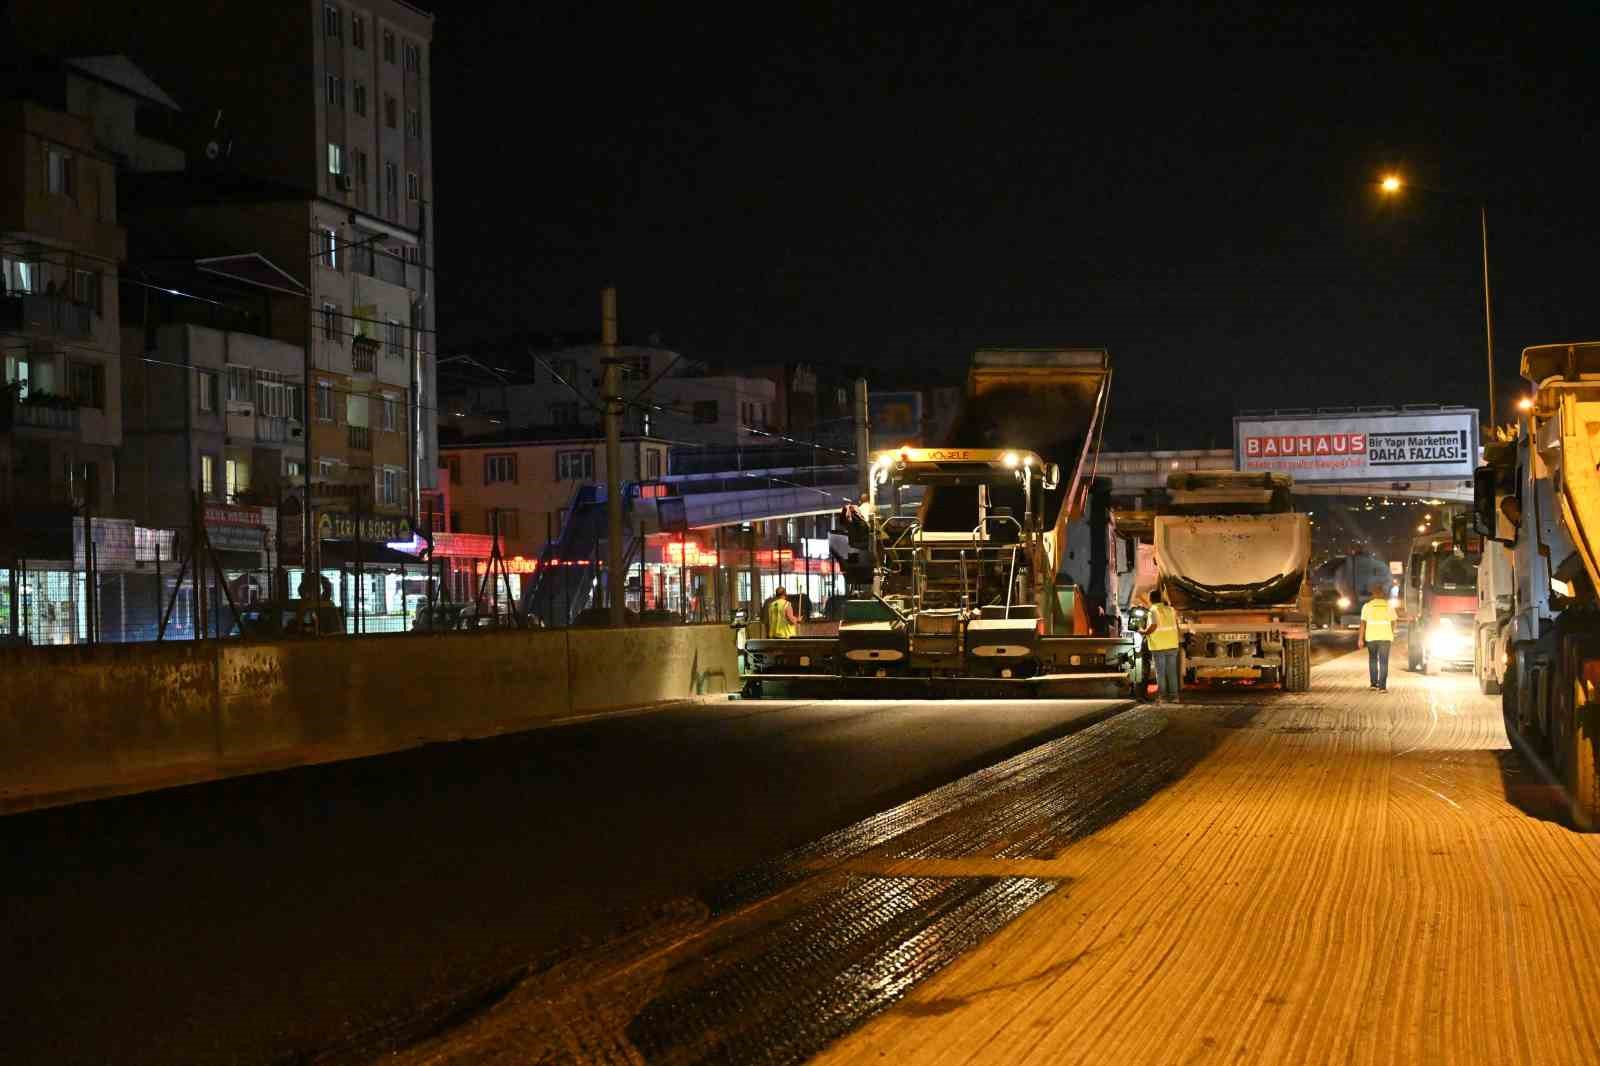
1439,445
375,529
673,554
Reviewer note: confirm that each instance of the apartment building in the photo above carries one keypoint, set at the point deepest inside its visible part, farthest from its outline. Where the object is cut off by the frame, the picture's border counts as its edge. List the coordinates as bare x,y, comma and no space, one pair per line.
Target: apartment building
525,482
320,159
686,402
60,246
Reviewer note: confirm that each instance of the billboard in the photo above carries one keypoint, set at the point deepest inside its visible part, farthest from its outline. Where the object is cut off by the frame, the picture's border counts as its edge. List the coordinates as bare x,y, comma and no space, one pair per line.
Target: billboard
1439,444
896,419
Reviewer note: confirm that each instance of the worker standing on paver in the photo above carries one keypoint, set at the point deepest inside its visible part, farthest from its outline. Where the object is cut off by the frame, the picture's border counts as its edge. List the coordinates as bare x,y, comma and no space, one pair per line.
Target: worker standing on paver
781,619
1377,633
1161,634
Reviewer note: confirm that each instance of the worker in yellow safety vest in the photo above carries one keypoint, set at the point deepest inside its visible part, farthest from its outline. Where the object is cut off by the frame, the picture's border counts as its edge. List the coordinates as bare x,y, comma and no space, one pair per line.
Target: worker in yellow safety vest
1161,637
1377,633
781,619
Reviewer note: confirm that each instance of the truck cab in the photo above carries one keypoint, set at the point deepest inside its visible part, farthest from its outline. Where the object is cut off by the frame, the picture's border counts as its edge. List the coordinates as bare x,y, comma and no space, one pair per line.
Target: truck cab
1441,601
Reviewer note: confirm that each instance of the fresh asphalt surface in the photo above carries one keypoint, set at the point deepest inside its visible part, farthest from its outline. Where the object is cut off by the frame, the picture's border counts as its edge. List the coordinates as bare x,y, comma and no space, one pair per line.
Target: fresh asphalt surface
269,918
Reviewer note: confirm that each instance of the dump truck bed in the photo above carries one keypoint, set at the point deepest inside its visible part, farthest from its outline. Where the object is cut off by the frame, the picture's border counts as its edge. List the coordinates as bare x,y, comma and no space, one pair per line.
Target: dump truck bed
1045,400
1233,560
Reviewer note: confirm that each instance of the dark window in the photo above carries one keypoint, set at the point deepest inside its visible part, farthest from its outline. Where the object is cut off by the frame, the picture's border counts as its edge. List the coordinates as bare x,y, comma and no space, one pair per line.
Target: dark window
575,466
388,46
330,20
391,111
358,31
89,384
499,469
652,464
705,411
454,464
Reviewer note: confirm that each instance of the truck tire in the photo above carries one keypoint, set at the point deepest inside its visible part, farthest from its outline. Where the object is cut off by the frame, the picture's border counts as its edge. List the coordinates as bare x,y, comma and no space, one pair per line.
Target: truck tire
1576,729
1413,653
1296,665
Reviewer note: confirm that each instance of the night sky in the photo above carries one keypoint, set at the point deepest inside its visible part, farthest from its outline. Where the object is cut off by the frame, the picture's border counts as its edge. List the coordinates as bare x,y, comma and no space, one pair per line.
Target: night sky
1190,188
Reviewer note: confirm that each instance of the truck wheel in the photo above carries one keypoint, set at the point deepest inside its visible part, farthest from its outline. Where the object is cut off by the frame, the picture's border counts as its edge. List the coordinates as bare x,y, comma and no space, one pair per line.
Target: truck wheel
1583,766
1413,654
1577,740
1296,665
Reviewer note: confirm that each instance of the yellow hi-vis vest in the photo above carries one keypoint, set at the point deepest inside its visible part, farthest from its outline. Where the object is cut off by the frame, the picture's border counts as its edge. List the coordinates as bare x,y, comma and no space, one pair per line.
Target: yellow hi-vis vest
778,624
1164,637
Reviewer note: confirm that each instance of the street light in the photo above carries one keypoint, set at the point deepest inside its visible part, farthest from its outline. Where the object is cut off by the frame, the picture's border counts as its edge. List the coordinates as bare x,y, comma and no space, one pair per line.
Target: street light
1393,184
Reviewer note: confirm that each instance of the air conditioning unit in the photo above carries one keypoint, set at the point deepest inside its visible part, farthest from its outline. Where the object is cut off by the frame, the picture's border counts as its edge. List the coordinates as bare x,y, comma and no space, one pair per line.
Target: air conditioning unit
344,182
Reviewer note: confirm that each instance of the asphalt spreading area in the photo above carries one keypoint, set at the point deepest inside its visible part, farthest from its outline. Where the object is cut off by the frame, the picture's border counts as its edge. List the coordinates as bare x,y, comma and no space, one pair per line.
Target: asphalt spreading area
1253,877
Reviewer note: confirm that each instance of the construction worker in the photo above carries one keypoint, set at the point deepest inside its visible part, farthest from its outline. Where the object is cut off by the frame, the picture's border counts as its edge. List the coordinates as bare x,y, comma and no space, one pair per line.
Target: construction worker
1377,633
781,618
1161,637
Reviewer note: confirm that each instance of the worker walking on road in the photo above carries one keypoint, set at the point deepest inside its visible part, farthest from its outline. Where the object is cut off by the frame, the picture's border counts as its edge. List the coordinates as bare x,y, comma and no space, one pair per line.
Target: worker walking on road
1377,633
781,619
1161,634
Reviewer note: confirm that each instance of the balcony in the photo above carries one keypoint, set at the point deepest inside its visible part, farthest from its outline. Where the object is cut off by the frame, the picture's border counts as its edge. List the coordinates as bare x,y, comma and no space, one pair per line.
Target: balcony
359,438
363,355
53,416
271,430
36,313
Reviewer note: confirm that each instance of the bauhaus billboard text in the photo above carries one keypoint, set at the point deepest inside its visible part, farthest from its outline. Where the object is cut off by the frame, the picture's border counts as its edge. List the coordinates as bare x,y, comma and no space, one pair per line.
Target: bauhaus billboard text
1437,445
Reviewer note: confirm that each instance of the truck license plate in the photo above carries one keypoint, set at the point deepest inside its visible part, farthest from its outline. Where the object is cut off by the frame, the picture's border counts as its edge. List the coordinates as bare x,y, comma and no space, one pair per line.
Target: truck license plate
1232,638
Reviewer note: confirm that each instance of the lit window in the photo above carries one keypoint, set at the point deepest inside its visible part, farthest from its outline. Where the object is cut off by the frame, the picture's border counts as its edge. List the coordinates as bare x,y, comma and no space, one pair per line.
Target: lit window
330,247
208,472
335,159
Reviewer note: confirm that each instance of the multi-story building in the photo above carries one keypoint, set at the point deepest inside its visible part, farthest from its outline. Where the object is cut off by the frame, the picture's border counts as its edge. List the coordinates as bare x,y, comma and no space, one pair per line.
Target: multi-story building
524,482
326,118
60,246
686,402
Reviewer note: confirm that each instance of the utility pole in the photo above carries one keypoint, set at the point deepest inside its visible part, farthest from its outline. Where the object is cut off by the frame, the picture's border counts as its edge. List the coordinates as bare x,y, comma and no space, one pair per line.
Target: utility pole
611,389
863,440
1488,323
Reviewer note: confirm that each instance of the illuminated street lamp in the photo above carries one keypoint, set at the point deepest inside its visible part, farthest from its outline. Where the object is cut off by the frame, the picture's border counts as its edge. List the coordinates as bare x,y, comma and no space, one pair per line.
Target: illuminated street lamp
1525,404
1392,185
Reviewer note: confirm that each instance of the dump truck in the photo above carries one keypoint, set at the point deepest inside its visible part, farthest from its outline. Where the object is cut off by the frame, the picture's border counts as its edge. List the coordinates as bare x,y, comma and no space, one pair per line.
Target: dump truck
1000,580
1542,500
1233,557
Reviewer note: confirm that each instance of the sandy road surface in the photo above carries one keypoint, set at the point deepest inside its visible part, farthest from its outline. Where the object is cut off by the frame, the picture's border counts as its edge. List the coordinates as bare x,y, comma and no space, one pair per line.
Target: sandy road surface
1352,877
1334,876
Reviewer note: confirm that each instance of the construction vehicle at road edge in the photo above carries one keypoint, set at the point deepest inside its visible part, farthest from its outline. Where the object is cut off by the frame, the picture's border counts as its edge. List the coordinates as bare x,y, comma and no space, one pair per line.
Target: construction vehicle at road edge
1542,500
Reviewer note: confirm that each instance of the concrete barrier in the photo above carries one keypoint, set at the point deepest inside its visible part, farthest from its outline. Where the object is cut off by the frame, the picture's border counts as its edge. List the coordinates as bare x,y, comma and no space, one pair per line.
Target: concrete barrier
614,668
78,715
126,717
